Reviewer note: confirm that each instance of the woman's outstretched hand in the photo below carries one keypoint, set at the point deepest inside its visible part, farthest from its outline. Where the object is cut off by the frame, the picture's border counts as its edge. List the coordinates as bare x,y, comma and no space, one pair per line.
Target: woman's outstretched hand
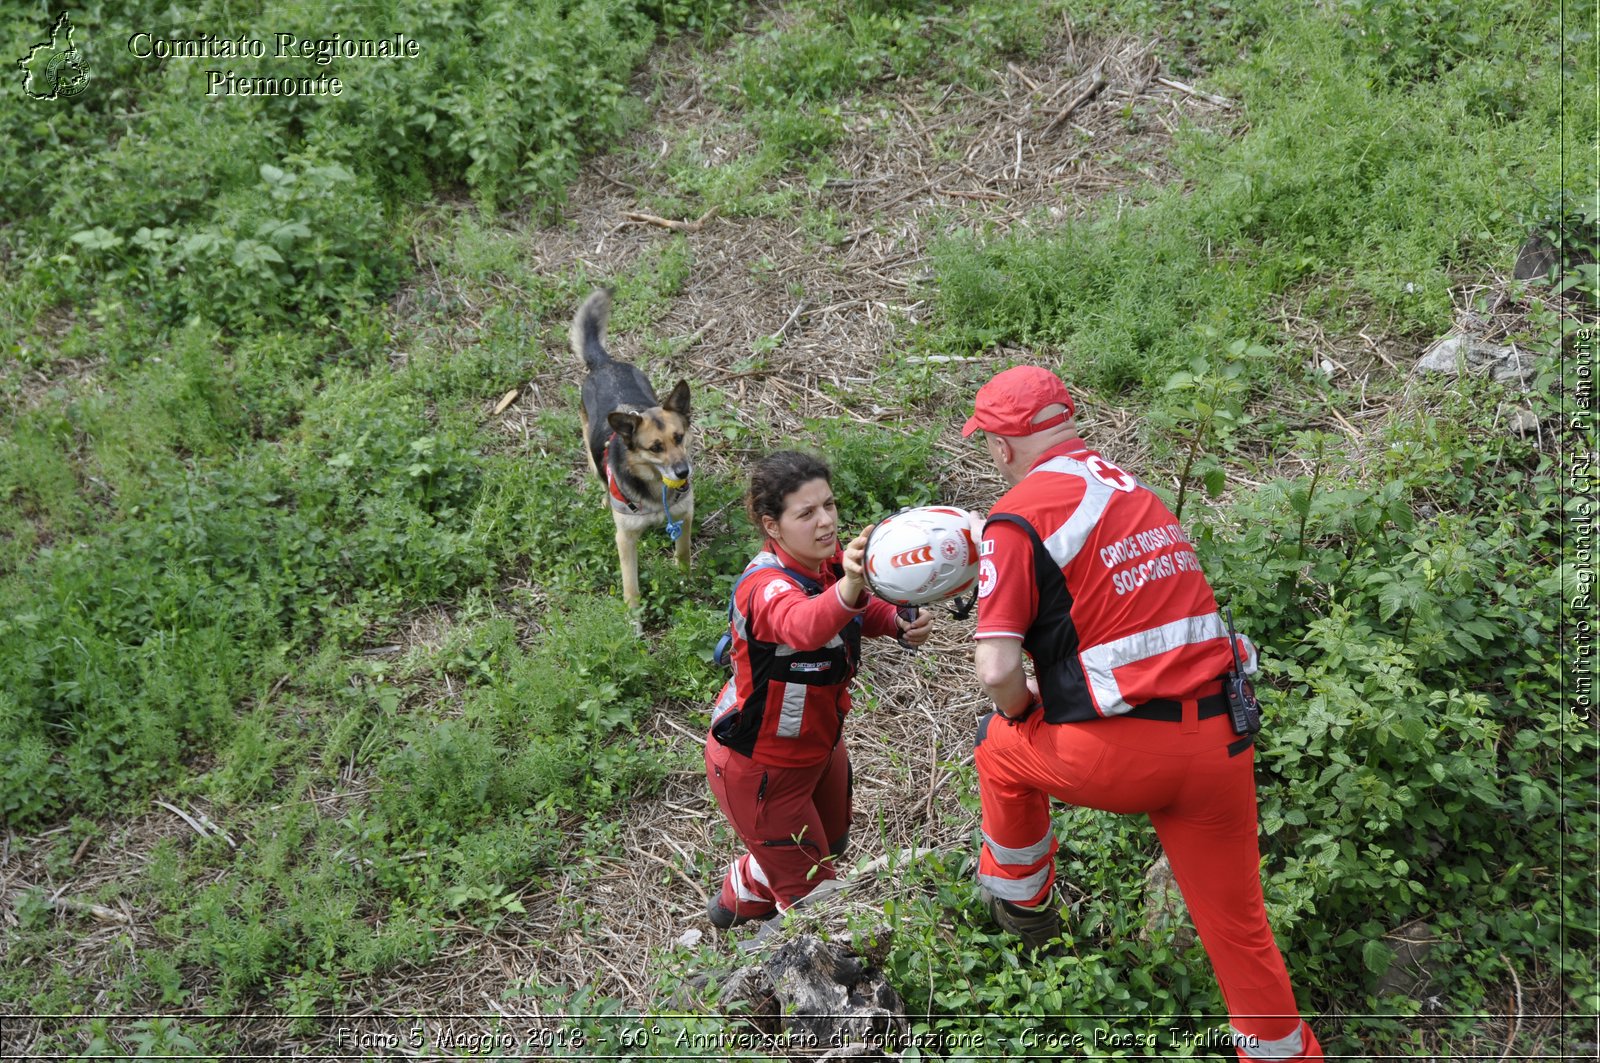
853,587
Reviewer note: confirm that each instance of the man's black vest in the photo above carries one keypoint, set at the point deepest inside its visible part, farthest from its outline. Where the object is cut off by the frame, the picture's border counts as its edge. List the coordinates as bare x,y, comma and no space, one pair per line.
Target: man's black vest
1052,640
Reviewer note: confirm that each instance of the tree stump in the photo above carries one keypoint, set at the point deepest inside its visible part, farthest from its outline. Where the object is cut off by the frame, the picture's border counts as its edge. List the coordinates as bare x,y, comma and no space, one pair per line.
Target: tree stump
823,998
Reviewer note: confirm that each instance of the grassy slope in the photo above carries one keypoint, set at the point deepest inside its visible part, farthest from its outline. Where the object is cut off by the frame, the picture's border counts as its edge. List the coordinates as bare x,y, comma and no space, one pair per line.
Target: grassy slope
210,521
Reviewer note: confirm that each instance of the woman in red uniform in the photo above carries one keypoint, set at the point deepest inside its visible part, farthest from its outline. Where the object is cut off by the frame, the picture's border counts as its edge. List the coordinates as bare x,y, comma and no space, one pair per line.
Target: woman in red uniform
776,756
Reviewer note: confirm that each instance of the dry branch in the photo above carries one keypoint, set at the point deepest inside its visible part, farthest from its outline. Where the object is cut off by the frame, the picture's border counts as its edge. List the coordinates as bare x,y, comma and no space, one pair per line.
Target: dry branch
99,911
1033,86
668,223
505,400
181,814
793,314
1096,84
963,193
216,831
695,337
676,870
1220,101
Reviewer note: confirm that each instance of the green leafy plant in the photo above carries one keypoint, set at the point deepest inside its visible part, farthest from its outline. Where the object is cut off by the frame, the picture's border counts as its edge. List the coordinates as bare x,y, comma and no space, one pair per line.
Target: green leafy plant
494,902
150,1038
1570,227
877,472
1211,418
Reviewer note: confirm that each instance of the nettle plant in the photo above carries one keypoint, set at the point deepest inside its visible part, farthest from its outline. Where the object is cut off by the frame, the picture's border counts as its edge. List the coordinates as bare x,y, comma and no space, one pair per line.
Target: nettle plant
1570,225
307,239
1411,765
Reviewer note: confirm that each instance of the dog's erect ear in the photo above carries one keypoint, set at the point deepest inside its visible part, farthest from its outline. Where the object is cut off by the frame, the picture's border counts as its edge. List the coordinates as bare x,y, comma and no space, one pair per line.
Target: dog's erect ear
678,401
624,424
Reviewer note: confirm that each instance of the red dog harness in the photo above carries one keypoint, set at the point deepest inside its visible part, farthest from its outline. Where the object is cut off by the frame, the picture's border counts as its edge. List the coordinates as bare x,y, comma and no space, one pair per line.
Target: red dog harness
618,501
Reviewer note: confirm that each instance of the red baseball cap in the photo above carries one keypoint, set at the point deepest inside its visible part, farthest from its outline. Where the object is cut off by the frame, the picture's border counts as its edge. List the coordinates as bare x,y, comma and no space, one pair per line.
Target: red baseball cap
1008,403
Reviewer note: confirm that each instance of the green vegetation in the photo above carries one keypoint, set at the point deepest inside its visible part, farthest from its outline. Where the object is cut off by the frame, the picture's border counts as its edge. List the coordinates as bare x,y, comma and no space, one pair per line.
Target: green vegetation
260,548
1341,166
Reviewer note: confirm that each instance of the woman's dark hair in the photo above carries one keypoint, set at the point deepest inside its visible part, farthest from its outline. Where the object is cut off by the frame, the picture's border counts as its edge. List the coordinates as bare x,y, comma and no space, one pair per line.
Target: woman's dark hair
777,476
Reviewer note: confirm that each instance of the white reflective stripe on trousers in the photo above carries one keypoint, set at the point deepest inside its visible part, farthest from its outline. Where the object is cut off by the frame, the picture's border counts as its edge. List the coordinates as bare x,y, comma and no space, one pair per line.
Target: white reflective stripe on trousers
1016,890
1031,854
740,890
1253,1047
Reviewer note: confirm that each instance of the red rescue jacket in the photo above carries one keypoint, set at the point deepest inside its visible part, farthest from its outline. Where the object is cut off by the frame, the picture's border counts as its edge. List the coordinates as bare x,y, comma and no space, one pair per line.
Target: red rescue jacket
1121,612
794,651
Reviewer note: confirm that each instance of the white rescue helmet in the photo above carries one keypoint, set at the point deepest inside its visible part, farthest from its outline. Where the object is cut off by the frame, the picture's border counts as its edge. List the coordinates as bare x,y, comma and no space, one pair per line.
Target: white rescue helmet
923,555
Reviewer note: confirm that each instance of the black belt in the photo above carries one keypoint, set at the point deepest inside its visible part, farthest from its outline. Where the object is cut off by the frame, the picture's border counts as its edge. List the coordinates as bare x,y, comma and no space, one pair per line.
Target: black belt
1172,711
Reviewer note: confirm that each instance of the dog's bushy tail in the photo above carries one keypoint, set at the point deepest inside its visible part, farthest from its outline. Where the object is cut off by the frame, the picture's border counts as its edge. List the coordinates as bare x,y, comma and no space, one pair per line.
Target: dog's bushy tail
589,329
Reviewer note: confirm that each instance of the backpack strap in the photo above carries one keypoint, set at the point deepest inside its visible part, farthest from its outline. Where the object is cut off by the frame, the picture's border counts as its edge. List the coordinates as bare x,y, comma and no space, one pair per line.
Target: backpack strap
719,655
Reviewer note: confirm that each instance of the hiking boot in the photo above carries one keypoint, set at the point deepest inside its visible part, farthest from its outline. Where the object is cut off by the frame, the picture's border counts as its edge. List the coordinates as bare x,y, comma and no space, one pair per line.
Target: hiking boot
1037,927
722,918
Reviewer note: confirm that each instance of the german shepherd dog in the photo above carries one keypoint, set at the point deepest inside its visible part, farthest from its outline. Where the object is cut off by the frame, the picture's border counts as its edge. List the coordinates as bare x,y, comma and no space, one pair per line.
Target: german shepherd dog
637,446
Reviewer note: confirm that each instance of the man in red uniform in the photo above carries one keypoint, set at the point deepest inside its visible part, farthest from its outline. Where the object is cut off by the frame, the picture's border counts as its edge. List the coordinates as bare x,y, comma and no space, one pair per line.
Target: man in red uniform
1085,570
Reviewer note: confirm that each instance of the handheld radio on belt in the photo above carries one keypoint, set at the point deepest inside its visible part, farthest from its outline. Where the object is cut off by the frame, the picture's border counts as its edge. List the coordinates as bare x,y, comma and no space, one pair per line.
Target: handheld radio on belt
1242,704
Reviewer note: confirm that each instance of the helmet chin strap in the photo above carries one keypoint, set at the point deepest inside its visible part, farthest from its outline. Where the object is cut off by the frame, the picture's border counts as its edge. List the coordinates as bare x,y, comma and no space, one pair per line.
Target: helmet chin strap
959,609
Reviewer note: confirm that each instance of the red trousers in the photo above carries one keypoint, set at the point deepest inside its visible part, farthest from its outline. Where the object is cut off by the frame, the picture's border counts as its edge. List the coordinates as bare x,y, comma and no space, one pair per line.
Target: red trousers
1202,802
794,822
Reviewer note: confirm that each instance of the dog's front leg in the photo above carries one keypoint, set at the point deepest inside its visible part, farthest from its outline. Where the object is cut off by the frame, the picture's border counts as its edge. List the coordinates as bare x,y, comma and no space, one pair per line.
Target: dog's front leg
681,548
628,556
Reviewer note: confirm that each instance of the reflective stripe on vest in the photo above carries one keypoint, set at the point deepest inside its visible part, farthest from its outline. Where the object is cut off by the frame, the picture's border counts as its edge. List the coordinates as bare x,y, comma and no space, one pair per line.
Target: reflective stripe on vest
725,701
1101,662
790,651
793,712
741,625
1066,541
